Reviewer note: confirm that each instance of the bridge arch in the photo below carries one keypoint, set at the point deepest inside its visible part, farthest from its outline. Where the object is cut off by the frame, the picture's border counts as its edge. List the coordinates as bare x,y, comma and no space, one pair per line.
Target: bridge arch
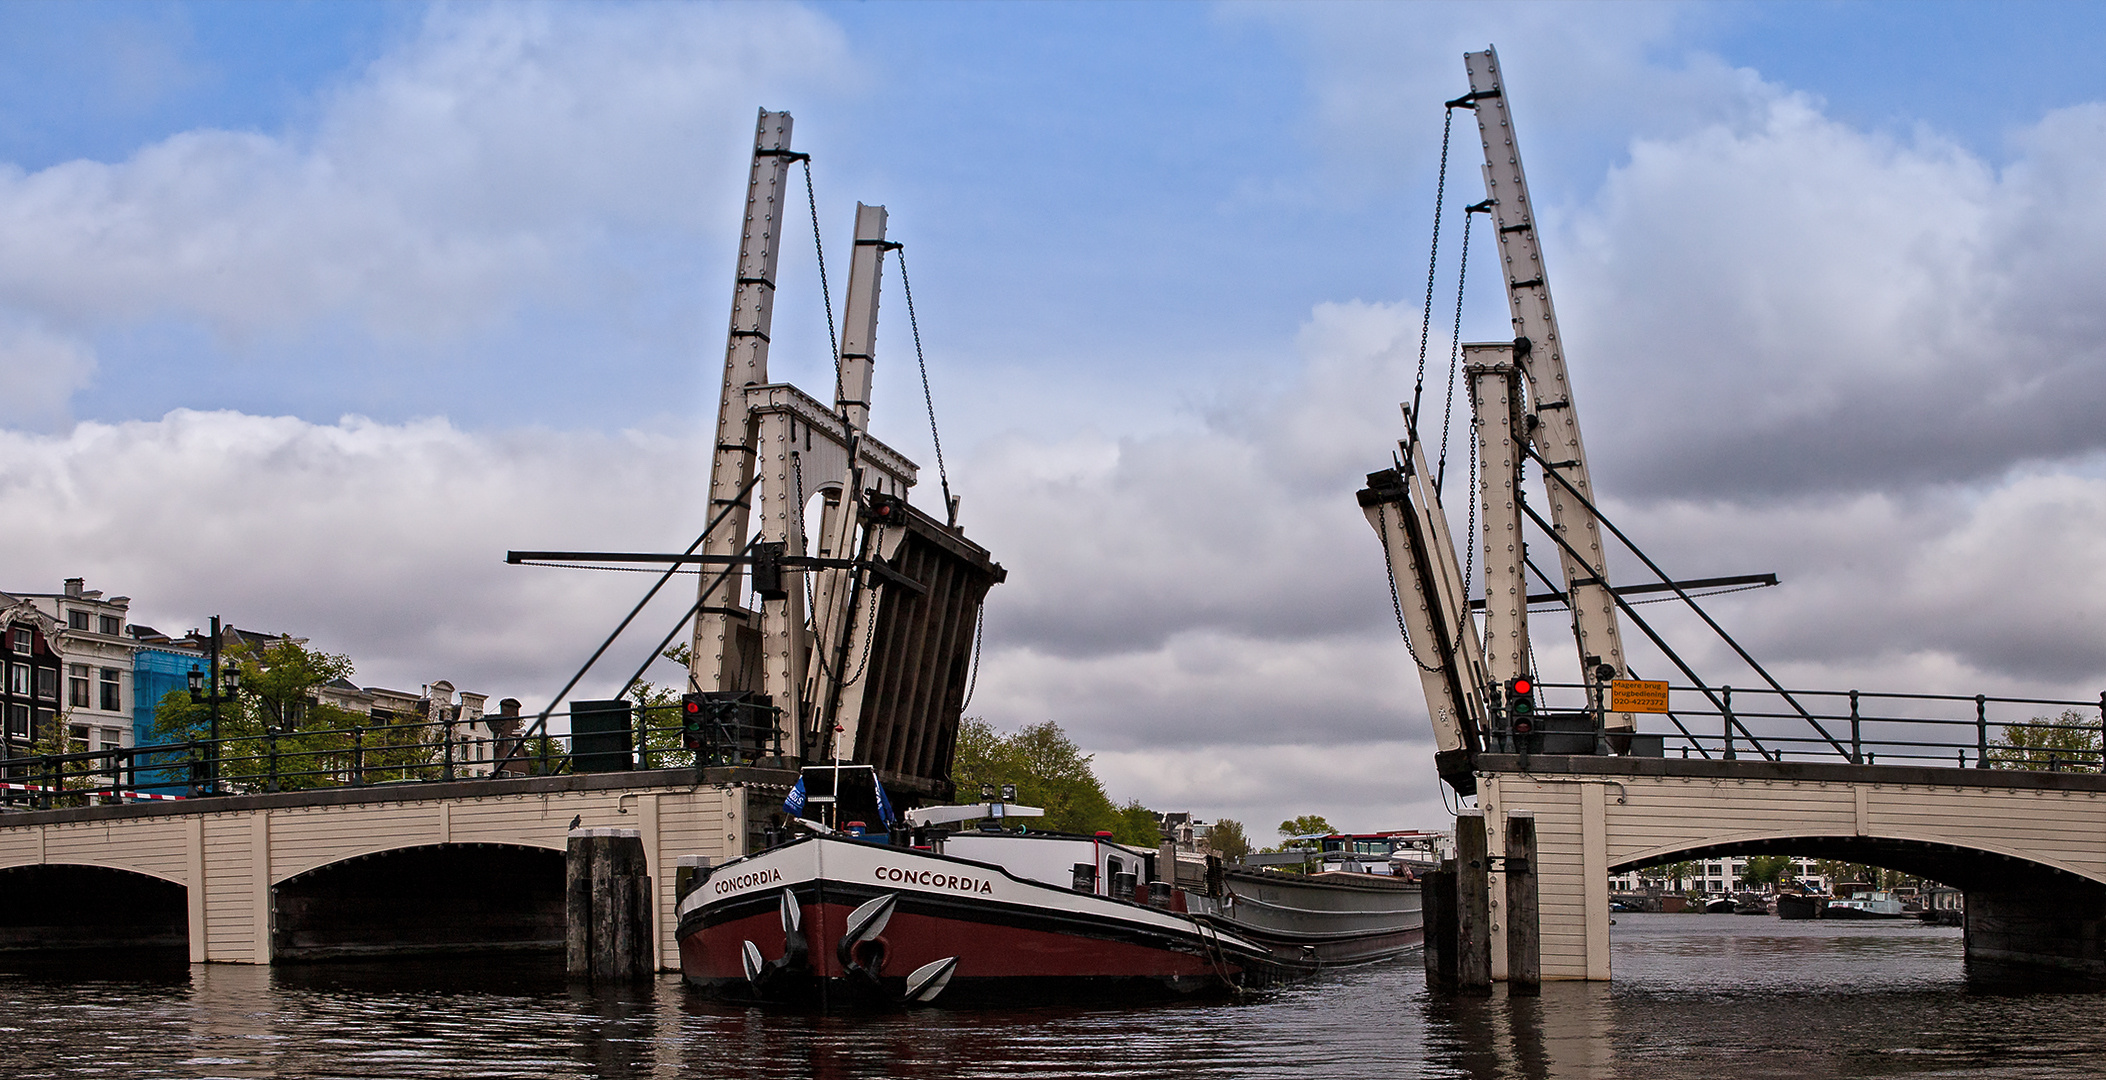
422,899
79,906
1968,867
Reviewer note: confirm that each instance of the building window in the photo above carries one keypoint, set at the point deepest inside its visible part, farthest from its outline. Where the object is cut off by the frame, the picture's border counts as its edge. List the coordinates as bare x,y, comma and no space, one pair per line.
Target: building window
18,721
111,625
21,639
77,620
77,686
46,718
18,679
112,691
47,683
77,739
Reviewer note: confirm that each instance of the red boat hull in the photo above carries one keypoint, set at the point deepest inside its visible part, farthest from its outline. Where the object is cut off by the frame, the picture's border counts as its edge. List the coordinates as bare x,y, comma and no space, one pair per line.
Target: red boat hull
1013,940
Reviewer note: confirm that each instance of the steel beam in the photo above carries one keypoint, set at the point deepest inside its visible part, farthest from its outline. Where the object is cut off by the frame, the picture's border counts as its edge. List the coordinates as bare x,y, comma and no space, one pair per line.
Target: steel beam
1539,352
716,663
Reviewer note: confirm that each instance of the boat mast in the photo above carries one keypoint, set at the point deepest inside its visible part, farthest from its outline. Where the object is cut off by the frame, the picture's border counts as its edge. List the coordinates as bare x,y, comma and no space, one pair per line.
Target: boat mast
1551,422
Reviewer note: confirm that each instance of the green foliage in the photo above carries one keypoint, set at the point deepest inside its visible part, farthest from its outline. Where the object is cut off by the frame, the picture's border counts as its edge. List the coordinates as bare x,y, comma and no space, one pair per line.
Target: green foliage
1138,825
1227,839
276,734
659,710
2067,743
1305,825
1840,873
1766,869
1049,771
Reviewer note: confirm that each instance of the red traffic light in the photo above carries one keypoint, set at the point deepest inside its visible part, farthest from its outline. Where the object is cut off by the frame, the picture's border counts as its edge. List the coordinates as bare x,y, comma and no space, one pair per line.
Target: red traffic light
691,706
1521,686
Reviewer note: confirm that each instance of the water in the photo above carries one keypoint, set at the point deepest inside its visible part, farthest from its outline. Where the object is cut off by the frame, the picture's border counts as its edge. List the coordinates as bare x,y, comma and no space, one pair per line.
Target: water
1695,996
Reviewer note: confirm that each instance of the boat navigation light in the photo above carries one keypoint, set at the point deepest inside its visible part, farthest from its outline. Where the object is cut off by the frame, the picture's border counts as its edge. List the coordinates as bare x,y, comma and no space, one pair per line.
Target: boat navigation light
1008,792
987,792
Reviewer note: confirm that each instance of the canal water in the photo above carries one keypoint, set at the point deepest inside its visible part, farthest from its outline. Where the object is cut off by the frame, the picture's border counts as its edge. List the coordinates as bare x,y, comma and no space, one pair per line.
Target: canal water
1695,996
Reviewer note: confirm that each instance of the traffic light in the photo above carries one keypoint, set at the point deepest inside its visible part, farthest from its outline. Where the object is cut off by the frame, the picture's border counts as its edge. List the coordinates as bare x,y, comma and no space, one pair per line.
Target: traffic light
768,571
691,720
887,509
1520,706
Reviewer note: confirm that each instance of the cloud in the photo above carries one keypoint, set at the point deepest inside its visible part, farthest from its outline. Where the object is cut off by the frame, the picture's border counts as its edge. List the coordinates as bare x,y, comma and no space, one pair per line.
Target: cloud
459,177
1806,307
383,541
39,371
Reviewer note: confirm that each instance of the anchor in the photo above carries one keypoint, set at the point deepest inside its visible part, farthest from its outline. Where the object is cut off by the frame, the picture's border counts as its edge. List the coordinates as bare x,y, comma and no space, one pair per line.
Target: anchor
862,954
796,954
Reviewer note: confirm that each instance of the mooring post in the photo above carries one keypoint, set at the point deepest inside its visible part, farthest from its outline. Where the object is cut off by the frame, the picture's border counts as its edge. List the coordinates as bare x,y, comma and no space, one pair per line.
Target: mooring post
1473,905
607,915
1524,958
1437,915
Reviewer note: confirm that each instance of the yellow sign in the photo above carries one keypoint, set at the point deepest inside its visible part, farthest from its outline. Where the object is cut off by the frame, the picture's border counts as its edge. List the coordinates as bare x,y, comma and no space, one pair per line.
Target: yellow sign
1637,695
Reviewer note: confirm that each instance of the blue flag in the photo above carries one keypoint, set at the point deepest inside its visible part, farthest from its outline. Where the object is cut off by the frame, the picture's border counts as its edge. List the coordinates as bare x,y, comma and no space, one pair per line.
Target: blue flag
794,804
884,805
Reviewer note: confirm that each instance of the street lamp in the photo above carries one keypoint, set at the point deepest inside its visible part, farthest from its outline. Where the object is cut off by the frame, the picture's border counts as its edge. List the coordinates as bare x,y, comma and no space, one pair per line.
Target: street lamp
225,684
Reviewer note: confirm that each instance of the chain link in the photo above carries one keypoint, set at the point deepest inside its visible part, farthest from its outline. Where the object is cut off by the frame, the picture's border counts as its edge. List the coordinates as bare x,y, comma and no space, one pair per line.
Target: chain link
942,474
1440,193
826,294
1462,272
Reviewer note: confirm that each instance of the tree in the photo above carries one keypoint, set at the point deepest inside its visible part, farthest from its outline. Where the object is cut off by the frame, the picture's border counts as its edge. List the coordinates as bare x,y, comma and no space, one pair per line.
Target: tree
1766,869
1305,825
1138,825
275,733
659,714
1049,772
2067,743
1227,839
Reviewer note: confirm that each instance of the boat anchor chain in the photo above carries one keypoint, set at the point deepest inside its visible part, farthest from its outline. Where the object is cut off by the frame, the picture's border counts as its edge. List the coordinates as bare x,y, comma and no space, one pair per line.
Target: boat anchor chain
862,954
796,954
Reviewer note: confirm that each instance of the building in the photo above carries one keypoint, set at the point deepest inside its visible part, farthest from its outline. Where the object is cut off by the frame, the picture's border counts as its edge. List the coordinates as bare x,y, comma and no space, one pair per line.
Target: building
451,723
29,685
1713,876
74,661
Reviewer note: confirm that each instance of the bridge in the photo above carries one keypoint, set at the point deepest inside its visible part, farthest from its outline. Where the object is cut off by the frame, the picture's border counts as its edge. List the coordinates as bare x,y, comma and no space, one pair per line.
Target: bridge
469,865
1998,796
2028,848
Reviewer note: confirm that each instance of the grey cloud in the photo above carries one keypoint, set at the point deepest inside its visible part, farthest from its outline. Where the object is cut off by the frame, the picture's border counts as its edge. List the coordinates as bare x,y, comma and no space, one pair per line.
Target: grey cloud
1805,308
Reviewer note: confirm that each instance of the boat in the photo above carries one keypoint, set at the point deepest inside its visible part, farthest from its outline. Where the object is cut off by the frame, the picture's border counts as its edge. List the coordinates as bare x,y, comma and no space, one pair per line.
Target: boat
1719,905
1943,905
1751,904
1800,906
918,916
1873,905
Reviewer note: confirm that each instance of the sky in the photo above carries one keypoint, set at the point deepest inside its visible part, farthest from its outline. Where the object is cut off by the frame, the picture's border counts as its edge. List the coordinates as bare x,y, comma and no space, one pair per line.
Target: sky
310,311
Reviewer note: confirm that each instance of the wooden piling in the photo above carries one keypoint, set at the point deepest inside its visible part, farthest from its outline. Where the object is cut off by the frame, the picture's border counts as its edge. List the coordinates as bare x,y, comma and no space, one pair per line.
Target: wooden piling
1437,897
1524,951
1473,906
607,907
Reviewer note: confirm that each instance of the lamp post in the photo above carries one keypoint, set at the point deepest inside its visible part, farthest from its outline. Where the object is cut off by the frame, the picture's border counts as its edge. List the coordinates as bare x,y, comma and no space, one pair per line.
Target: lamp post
224,685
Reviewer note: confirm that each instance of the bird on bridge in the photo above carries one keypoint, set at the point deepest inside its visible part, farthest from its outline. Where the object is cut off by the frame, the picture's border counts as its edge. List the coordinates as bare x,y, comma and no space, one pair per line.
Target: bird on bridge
576,820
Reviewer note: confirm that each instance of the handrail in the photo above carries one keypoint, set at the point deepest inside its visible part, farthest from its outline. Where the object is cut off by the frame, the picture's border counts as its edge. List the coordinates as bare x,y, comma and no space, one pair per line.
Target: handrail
1881,726
417,751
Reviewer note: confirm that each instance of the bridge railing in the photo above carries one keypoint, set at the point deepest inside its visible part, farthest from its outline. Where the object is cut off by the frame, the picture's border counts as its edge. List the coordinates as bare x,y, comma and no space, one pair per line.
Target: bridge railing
303,758
1983,731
